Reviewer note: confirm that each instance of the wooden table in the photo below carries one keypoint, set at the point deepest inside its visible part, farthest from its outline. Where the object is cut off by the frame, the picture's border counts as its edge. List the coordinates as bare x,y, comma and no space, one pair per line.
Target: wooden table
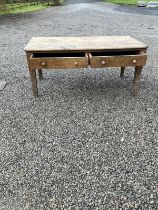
83,52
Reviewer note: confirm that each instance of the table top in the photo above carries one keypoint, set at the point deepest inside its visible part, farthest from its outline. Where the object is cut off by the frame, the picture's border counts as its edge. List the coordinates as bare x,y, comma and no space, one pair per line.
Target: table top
92,43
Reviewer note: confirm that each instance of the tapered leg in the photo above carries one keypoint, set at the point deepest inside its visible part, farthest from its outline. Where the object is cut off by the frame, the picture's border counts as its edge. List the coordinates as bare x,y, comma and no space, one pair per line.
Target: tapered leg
122,72
34,82
137,76
40,74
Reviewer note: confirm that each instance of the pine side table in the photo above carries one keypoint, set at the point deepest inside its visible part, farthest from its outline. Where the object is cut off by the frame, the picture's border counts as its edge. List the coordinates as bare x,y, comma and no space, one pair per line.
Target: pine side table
82,52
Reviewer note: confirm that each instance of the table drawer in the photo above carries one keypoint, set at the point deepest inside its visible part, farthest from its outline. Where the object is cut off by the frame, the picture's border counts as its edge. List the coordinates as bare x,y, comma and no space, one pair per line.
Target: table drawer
117,59
58,60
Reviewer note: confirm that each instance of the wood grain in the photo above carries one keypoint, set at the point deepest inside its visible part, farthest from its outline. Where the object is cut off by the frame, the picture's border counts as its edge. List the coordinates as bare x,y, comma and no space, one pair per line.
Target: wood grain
83,52
118,61
122,72
137,77
85,44
40,74
58,63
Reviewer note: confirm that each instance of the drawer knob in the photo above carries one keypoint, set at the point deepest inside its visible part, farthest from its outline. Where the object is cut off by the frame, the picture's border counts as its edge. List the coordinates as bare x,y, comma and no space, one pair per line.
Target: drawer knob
103,62
76,63
43,64
134,61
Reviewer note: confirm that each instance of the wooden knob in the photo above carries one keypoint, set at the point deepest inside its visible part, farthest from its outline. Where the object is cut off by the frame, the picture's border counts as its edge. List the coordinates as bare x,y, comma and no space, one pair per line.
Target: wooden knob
134,61
43,64
76,63
103,62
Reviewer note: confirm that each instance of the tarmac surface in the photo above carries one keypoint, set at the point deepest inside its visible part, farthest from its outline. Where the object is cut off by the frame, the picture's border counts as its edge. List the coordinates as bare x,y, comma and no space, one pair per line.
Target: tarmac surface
81,1
85,143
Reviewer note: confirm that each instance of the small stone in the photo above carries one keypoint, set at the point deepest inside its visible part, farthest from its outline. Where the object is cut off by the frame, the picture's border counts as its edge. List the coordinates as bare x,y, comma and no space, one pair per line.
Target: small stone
2,84
122,139
151,196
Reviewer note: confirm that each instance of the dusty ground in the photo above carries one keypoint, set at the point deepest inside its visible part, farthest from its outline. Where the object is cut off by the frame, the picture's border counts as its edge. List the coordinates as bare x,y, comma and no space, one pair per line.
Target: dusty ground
85,143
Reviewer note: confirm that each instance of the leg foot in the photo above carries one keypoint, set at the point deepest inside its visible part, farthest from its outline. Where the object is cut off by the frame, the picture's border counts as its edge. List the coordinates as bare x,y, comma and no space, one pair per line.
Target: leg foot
34,82
137,76
40,74
122,72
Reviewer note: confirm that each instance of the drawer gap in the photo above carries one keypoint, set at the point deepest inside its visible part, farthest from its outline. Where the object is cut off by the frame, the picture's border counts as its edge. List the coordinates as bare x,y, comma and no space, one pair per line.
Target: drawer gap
58,55
116,53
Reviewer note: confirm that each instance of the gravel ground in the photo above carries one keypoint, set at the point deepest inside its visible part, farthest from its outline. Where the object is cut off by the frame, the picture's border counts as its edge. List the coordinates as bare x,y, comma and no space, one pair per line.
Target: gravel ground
85,143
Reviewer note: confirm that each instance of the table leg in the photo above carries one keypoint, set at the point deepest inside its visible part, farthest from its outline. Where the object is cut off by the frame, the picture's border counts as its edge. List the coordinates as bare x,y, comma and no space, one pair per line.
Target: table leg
40,74
137,76
34,82
122,72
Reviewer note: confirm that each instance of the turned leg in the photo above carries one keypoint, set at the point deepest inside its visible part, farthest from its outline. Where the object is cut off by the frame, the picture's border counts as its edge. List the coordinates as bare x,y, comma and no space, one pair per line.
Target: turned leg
122,72
34,82
137,76
40,74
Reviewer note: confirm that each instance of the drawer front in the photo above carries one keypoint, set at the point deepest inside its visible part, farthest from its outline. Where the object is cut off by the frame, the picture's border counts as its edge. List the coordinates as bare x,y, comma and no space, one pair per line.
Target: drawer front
58,63
118,61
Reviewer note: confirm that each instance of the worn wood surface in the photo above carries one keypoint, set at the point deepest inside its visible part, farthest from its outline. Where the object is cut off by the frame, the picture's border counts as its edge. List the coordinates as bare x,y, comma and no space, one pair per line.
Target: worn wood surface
118,61
137,77
59,63
96,52
34,81
83,43
40,74
33,77
122,72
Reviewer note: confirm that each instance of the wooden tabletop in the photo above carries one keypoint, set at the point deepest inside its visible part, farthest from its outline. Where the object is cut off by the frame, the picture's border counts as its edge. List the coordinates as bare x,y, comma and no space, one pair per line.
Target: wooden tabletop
106,43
